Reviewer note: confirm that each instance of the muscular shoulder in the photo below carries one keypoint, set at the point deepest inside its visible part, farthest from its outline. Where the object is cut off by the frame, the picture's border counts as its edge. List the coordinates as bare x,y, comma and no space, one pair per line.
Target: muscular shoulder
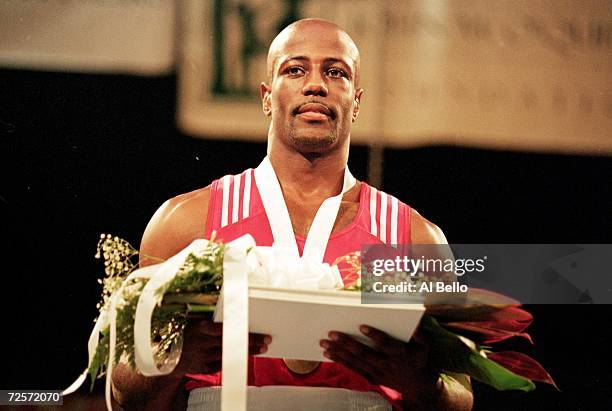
423,231
175,224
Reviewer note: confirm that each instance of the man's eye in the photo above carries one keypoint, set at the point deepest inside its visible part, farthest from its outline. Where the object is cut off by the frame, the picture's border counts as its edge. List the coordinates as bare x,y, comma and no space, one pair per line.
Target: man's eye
336,73
294,71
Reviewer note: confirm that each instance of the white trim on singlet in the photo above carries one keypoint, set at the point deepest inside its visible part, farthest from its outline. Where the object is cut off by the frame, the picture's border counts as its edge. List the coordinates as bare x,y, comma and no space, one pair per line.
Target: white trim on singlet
373,226
386,232
246,195
236,198
230,184
383,217
394,221
225,184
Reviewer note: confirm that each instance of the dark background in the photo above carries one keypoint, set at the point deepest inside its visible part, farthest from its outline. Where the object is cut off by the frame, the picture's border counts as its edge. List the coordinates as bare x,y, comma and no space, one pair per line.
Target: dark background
87,154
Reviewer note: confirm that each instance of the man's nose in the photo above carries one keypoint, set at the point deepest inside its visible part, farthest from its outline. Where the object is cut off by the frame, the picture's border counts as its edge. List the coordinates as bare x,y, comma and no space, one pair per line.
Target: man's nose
314,85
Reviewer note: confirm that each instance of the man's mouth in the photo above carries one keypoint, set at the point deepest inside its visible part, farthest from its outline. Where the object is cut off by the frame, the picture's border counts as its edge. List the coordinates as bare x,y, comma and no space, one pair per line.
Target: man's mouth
314,112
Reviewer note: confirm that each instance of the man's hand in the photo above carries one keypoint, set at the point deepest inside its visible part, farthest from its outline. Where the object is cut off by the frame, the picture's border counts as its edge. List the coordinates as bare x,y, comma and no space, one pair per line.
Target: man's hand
405,367
202,349
201,354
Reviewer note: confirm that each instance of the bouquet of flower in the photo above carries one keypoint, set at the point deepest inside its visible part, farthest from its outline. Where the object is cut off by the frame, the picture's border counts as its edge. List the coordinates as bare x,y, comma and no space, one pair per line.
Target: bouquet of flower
460,334
195,288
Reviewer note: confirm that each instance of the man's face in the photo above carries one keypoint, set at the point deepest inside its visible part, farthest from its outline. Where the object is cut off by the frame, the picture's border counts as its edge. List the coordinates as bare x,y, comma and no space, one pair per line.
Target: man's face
312,98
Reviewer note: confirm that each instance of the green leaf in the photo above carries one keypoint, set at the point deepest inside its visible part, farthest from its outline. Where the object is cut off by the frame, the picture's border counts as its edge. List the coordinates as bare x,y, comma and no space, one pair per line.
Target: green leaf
455,353
197,308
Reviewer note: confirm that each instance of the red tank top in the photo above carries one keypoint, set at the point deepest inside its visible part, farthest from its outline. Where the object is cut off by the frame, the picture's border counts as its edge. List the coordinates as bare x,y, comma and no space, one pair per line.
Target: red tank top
235,209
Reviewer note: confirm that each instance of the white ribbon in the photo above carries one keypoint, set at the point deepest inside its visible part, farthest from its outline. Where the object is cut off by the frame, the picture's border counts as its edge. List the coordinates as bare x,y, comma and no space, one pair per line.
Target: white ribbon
280,269
236,268
278,215
106,318
149,299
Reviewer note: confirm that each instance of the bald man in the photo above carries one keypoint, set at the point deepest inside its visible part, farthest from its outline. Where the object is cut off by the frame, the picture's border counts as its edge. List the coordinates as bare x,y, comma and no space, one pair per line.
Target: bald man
312,98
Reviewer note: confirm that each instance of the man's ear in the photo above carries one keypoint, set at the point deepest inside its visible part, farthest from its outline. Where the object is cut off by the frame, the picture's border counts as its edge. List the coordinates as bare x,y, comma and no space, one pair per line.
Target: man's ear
264,92
358,95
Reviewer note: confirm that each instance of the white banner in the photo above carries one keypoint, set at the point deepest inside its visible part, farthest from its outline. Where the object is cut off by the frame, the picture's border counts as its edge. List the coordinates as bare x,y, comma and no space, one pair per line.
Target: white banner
118,36
490,73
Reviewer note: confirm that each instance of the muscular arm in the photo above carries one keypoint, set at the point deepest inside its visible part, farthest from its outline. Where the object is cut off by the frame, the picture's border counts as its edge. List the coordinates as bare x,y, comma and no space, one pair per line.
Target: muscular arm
454,391
175,225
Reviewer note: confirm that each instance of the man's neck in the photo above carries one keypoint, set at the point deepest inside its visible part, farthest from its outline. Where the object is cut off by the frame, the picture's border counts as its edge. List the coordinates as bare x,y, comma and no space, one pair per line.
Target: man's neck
308,180
313,177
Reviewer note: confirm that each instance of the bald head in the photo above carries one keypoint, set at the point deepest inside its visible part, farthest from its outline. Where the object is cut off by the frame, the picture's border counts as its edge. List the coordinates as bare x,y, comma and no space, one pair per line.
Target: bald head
312,95
307,31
